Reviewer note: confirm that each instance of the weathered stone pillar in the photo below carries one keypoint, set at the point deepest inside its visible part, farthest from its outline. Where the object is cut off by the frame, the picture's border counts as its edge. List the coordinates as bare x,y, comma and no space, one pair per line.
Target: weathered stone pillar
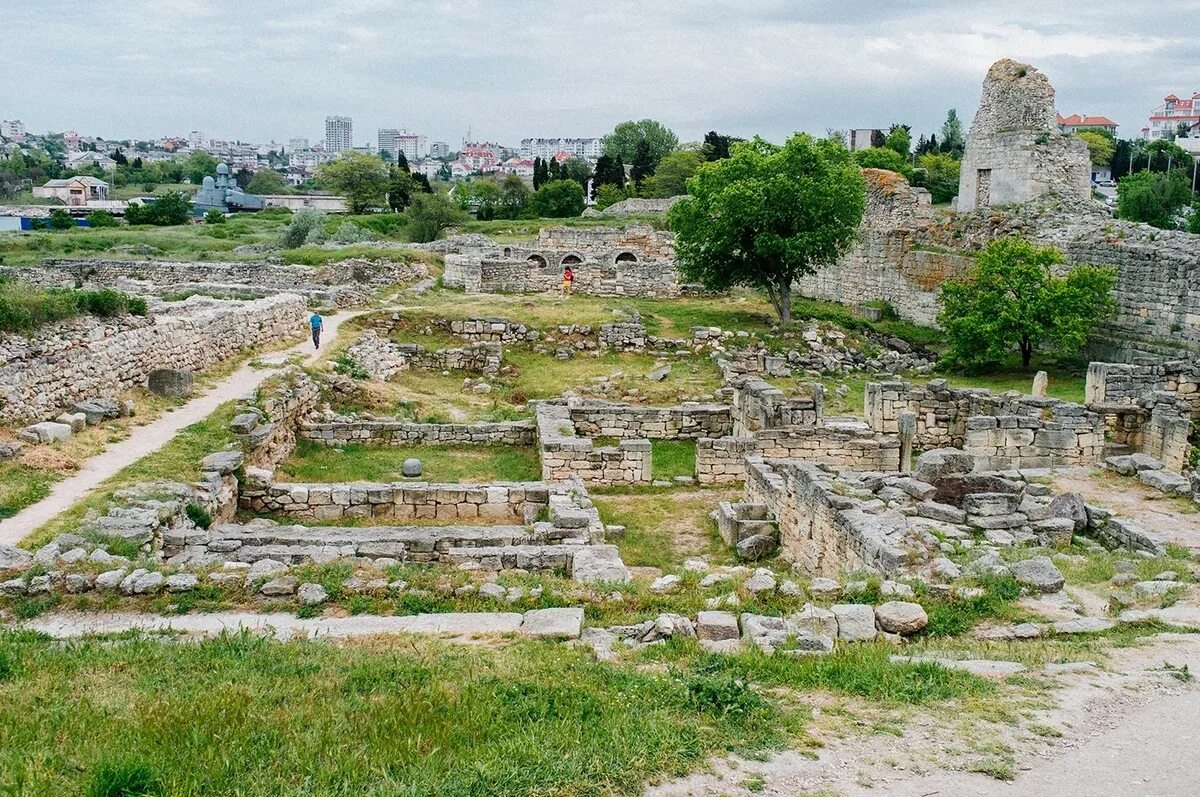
1040,382
908,432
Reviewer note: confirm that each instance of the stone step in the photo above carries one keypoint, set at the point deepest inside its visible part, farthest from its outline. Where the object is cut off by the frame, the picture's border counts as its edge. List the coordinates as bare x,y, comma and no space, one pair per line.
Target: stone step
534,558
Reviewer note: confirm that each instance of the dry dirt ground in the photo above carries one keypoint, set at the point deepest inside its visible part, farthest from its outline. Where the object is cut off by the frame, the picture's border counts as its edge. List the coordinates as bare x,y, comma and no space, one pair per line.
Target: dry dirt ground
1129,728
1177,518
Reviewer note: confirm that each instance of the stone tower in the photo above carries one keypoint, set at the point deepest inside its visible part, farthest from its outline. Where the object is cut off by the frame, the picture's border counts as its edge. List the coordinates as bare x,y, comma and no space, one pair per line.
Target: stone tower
1015,151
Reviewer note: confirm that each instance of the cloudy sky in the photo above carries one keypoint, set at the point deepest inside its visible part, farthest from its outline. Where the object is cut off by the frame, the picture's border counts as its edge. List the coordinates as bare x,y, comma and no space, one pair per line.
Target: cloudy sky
508,69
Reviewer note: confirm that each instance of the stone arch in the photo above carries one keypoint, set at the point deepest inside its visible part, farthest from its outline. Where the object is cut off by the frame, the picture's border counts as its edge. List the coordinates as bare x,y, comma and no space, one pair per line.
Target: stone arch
508,251
572,260
537,261
626,257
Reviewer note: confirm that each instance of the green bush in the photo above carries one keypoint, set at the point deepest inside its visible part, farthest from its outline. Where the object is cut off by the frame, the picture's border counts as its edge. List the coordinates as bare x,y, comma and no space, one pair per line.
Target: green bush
385,224
214,216
61,220
102,218
24,307
350,233
306,227
199,515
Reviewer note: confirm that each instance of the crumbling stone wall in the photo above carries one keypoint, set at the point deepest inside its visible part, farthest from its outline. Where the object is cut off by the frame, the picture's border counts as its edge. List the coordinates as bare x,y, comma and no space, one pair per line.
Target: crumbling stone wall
758,405
564,454
684,422
266,428
1119,383
1015,151
1005,431
345,430
58,365
382,359
1167,432
723,460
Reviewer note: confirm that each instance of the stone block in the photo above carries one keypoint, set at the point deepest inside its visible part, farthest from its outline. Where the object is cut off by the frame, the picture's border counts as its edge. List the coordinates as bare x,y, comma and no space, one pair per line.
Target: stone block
170,383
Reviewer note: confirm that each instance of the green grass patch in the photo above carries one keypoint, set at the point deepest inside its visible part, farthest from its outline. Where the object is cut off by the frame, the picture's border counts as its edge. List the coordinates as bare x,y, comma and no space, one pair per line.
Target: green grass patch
21,486
313,462
673,458
664,527
250,717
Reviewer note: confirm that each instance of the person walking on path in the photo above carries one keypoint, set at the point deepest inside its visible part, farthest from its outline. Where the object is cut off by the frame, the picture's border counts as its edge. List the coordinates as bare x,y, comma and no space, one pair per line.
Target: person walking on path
318,324
568,281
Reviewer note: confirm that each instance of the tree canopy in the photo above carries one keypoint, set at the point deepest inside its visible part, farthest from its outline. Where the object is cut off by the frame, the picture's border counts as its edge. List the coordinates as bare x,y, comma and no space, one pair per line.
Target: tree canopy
266,181
1152,197
671,176
361,178
198,166
173,207
954,141
767,215
884,158
429,214
1013,302
899,139
623,141
558,199
1101,147
940,175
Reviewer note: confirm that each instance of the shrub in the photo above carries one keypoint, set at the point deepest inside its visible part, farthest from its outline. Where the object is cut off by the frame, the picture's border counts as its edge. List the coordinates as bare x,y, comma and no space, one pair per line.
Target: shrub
25,307
429,214
350,233
61,220
105,303
102,218
214,216
306,227
383,223
199,515
1152,198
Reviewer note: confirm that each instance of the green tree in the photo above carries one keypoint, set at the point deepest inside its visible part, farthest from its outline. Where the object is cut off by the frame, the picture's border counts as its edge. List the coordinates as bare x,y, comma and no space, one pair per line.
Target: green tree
671,176
884,158
576,169
558,199
402,161
940,175
361,178
485,196
400,189
61,220
643,164
1194,219
514,195
899,139
199,165
430,214
767,215
266,181
1152,197
1100,146
1013,301
716,146
306,227
609,171
169,209
953,139
623,141
102,218
608,195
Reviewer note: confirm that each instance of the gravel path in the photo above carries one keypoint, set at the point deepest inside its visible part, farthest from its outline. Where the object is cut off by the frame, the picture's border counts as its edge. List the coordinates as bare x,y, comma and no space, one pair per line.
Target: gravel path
148,439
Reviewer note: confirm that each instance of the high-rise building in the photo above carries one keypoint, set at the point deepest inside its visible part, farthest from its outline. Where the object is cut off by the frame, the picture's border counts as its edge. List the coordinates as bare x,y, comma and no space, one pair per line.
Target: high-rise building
339,133
396,141
195,138
439,149
387,140
297,143
12,129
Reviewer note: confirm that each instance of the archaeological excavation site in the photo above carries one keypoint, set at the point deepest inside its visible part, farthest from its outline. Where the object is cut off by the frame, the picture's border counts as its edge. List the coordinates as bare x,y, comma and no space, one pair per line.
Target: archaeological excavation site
640,536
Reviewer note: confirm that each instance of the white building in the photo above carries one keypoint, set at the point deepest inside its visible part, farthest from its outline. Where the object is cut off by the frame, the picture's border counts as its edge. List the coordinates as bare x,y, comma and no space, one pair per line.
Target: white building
76,191
589,148
439,149
12,129
339,133
428,167
297,143
860,138
1166,118
396,141
86,158
308,159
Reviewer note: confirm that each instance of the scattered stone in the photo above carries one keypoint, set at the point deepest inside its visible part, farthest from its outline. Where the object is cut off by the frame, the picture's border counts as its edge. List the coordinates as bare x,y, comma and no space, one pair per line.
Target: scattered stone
1072,507
659,374
493,590
755,547
279,587
46,432
1145,589
761,581
1039,574
1007,633
110,579
181,582
901,617
712,579
558,623
1084,625
894,589
12,558
716,626
824,589
664,584
855,622
591,564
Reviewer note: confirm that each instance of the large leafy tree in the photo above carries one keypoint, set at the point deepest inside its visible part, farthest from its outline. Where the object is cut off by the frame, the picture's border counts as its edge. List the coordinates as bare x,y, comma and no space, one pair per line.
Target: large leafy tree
884,158
400,188
767,215
361,178
673,172
643,163
430,214
558,199
716,146
514,195
899,139
940,175
266,181
1152,197
198,166
609,171
1101,146
1013,301
623,141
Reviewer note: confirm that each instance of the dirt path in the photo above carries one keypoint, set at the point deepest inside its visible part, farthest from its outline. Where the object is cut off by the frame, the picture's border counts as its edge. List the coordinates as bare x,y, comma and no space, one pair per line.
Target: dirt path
1129,729
149,438
1175,519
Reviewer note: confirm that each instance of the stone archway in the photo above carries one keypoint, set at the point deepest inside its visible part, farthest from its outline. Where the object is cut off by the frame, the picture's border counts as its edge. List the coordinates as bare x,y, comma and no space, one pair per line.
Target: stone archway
537,261
572,260
626,257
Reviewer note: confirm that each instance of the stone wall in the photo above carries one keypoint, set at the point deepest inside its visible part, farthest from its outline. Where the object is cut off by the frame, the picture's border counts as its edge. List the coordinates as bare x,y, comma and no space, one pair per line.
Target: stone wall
1167,432
343,430
683,422
58,365
1119,383
1011,430
821,532
564,454
759,405
382,359
502,502
1015,150
266,428
723,460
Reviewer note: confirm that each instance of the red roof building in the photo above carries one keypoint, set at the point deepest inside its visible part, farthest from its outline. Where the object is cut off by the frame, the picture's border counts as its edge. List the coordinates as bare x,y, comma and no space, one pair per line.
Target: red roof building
1166,118
1076,122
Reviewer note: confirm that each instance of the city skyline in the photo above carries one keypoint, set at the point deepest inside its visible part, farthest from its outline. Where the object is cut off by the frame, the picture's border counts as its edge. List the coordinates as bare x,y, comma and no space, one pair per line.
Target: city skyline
764,68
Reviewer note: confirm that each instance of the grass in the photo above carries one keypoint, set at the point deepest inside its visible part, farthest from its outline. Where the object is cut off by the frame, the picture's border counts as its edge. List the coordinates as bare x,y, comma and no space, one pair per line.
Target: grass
247,716
178,460
313,462
22,485
673,458
663,528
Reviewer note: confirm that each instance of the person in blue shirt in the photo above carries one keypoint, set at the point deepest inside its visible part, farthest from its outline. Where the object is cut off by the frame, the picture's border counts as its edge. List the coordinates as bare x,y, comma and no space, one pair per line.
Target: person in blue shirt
318,324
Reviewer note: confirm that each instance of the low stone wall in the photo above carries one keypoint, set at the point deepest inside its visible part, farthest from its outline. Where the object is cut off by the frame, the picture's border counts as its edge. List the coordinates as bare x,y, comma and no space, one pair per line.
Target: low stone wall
1011,430
345,430
58,365
497,330
506,502
565,455
821,532
723,460
382,359
759,405
682,422
1119,383
1167,432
